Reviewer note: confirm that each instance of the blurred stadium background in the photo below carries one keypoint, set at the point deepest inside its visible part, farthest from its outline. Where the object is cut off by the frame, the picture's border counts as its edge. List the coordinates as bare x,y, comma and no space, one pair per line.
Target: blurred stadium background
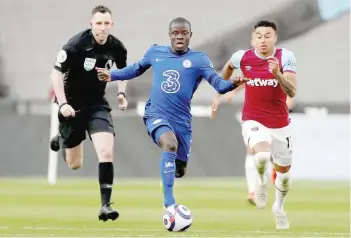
318,31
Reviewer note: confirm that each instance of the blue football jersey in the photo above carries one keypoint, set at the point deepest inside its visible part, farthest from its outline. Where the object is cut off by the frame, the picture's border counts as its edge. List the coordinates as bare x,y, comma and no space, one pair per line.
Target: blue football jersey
175,79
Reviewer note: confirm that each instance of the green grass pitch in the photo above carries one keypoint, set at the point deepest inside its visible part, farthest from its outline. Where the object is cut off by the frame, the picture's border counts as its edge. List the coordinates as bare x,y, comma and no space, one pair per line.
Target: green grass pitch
31,207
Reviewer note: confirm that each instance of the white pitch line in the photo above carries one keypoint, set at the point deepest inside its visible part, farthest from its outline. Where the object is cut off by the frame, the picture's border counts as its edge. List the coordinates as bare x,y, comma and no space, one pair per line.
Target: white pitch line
291,233
160,230
74,229
107,229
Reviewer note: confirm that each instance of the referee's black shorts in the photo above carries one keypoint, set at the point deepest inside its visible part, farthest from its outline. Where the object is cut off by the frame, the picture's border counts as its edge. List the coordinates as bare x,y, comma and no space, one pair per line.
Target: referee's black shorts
92,120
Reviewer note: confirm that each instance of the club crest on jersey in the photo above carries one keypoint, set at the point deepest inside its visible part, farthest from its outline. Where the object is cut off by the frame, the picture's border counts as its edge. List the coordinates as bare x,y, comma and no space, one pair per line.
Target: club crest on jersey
187,64
89,64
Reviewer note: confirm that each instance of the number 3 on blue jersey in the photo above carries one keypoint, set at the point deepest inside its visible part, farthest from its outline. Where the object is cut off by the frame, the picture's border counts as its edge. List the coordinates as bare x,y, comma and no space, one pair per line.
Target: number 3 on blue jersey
171,84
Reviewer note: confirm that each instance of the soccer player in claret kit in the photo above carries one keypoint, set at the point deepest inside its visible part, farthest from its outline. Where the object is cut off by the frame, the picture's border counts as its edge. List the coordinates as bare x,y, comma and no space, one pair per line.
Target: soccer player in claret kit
250,166
177,72
265,128
81,99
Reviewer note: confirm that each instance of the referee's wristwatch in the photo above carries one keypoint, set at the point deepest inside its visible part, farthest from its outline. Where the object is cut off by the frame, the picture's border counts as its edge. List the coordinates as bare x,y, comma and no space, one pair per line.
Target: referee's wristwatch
121,93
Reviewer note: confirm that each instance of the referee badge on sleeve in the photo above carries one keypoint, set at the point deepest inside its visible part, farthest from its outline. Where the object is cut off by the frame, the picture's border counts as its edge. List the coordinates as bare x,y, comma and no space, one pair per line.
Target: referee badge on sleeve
89,64
61,56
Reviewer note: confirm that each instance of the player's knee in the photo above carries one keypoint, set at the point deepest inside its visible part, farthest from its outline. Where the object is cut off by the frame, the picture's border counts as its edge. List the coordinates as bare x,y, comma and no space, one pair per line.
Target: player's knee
282,169
168,141
261,159
75,165
170,145
74,156
180,168
74,162
282,181
105,155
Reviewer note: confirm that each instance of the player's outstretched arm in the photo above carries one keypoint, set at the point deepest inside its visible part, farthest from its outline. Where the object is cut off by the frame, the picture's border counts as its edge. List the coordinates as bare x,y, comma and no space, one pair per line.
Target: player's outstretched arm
131,71
221,85
127,73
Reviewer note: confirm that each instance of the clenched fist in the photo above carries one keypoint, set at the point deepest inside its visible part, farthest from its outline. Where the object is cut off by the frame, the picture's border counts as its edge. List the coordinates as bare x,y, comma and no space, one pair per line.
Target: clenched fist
67,111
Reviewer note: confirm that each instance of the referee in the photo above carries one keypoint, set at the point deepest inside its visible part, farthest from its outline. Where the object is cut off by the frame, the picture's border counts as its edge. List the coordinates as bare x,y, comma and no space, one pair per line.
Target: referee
82,103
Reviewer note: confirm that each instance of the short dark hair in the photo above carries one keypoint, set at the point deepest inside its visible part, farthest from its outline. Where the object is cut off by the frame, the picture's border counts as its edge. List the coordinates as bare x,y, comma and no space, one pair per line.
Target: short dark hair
101,9
265,23
180,20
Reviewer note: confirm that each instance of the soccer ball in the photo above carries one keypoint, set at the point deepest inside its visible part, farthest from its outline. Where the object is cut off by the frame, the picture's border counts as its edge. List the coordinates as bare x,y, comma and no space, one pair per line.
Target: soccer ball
177,218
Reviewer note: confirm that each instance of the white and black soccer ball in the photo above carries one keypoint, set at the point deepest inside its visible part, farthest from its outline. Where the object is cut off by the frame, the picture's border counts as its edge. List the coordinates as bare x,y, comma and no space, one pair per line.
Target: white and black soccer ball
177,218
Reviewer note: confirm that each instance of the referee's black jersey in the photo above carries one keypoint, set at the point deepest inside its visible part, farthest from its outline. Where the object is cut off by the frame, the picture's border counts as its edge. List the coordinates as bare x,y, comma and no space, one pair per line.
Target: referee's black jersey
78,59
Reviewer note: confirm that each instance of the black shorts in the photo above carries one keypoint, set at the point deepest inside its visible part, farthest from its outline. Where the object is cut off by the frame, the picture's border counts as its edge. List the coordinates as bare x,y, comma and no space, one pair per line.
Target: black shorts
73,130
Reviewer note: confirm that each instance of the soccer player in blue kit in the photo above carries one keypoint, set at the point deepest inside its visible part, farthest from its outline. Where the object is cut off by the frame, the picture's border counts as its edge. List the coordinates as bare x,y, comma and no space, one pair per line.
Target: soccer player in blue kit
177,72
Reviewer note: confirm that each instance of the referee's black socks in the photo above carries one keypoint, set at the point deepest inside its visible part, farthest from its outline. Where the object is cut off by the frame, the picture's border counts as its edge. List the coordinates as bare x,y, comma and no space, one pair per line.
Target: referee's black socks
106,175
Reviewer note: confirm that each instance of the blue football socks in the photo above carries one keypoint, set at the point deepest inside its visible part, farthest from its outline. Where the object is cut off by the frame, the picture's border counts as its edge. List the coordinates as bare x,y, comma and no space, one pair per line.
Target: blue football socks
167,172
